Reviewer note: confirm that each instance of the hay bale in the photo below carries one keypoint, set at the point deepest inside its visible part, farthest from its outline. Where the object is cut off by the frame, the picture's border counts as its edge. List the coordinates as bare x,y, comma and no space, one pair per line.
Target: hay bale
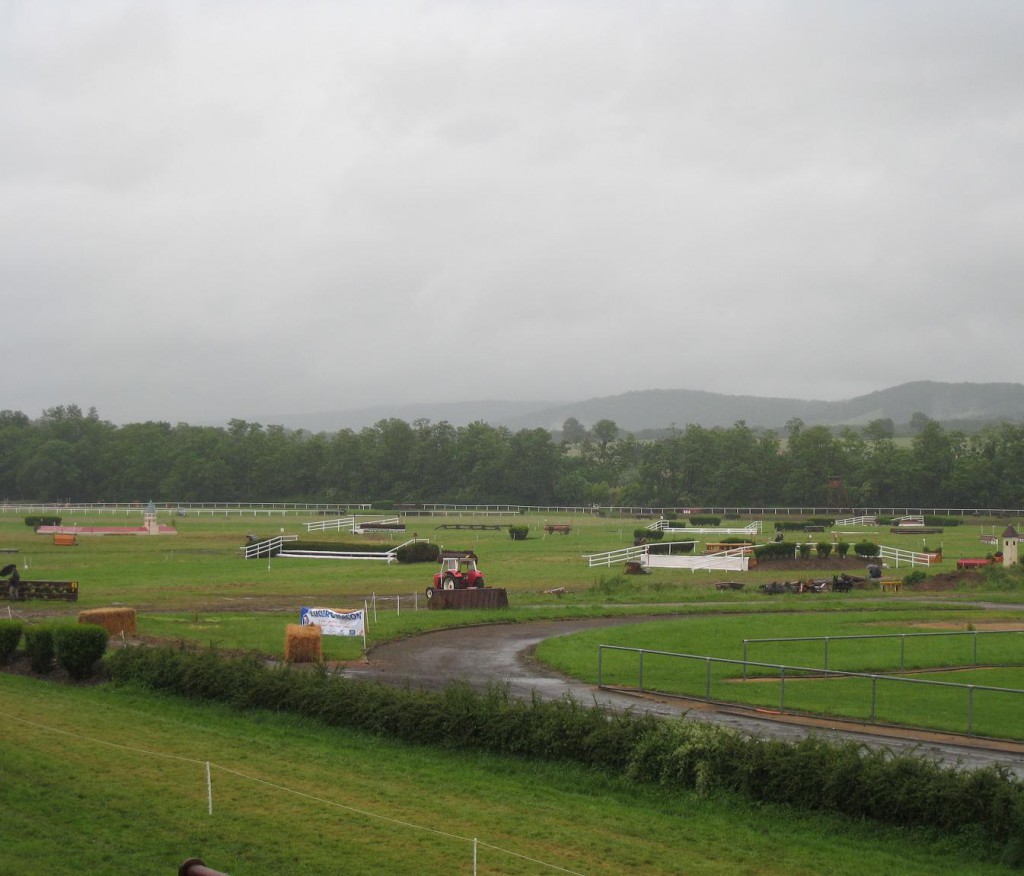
115,621
303,643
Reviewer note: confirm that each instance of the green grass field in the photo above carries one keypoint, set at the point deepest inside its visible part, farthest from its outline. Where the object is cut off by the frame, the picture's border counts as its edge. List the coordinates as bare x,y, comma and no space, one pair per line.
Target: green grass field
105,781
81,806
1000,663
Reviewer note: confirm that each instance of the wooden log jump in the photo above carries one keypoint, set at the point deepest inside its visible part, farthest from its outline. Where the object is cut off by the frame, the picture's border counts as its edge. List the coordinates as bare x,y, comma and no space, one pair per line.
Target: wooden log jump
472,597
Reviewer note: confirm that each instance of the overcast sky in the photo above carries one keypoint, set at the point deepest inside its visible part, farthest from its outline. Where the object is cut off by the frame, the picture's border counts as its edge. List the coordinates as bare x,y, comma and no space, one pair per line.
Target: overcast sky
231,209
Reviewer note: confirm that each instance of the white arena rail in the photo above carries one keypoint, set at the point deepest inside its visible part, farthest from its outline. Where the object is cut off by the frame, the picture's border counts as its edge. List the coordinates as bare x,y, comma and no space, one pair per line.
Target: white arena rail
867,520
911,558
732,560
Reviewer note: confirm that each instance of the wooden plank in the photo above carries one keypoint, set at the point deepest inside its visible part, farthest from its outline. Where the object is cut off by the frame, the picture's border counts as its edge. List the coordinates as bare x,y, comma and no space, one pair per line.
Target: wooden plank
472,597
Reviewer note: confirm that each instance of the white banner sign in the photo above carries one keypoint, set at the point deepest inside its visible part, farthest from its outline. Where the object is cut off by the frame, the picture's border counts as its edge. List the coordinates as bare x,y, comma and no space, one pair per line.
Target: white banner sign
334,621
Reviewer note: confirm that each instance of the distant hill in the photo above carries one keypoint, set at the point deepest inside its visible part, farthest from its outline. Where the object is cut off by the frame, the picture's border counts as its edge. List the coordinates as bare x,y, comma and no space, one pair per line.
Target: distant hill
456,413
965,406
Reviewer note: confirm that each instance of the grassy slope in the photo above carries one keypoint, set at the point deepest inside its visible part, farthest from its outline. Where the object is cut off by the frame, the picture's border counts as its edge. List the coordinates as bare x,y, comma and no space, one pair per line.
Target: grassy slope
72,804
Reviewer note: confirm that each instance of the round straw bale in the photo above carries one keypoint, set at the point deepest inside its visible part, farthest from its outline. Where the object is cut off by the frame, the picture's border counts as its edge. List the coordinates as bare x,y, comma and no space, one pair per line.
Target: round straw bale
114,620
303,644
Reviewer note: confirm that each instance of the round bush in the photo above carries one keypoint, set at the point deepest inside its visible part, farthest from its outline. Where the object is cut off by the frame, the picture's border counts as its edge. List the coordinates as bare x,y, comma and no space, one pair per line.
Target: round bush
10,637
39,647
78,647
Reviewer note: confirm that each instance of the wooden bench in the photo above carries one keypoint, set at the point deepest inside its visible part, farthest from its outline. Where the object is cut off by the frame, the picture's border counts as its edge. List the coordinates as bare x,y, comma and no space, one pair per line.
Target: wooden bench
67,539
563,528
890,585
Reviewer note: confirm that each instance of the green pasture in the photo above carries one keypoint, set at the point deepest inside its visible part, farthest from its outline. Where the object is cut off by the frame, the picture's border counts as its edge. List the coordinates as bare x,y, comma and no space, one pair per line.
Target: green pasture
113,780
986,660
203,565
197,586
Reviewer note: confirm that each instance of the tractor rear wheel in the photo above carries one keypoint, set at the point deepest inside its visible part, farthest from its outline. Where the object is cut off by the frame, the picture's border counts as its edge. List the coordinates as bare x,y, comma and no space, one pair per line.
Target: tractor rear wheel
449,583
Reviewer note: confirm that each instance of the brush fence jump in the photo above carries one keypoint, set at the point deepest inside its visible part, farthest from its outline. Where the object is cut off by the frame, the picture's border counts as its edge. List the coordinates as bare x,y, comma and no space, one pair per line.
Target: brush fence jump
868,520
737,560
350,523
752,529
275,547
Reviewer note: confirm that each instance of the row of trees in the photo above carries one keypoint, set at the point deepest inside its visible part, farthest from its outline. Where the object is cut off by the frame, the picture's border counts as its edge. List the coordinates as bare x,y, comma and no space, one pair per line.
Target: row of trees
65,454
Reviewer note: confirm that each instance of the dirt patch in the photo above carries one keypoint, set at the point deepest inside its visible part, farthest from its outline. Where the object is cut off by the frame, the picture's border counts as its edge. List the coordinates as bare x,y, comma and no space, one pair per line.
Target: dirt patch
981,625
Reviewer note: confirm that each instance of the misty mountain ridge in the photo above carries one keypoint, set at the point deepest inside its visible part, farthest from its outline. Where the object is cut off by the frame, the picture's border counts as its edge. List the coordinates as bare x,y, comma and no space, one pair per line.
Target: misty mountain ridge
966,406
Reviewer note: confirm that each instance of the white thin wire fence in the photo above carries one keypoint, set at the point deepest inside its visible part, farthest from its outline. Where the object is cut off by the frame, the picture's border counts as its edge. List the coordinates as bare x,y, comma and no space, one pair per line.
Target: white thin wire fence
207,767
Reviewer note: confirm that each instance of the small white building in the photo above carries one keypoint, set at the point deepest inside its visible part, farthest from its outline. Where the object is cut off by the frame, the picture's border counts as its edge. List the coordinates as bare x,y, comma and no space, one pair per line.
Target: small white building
1010,538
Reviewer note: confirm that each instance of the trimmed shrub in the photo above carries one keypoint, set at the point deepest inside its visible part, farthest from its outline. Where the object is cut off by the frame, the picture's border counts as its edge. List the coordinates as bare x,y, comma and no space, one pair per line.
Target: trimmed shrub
805,550
40,649
649,534
824,549
842,549
518,533
42,520
418,552
814,524
866,549
934,520
679,547
775,550
704,520
10,638
915,577
78,647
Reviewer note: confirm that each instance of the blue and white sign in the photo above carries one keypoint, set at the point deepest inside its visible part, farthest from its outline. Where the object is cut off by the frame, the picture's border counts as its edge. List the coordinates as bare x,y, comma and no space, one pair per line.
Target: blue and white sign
334,621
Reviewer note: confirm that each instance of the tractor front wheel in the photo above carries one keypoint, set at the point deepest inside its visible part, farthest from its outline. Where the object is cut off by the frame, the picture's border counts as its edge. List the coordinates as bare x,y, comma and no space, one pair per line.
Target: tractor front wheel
430,593
479,582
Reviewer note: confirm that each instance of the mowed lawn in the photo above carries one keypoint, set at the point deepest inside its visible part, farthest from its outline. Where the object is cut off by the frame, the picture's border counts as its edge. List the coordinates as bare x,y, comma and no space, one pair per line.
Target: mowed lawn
901,650
99,780
203,566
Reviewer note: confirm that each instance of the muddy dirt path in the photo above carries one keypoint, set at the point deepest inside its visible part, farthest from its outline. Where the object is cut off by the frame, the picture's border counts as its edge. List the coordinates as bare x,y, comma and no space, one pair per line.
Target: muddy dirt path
503,653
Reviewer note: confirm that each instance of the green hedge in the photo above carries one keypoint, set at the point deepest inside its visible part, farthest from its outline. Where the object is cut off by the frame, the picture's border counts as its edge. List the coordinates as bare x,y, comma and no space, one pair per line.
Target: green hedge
78,647
648,534
704,520
39,647
683,547
775,550
518,533
42,520
10,638
866,549
934,520
802,525
983,807
418,552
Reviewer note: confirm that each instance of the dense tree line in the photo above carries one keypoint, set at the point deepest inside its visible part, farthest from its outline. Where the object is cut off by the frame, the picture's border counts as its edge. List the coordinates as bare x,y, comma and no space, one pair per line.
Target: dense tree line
68,455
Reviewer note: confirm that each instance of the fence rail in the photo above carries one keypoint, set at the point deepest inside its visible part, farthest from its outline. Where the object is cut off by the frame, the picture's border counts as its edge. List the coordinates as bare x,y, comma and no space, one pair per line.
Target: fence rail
972,709
902,638
913,558
255,508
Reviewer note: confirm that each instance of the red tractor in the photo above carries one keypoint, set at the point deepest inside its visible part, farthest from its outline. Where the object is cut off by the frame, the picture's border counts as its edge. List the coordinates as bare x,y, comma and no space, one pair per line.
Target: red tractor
458,571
